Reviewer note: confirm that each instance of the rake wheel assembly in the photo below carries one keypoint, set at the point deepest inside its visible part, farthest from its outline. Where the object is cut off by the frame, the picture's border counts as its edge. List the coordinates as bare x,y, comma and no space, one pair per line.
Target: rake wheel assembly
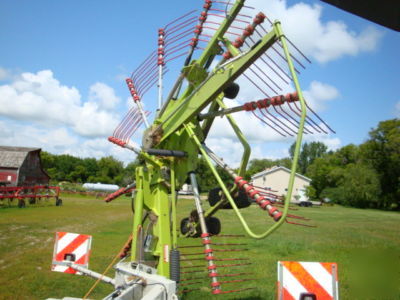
225,44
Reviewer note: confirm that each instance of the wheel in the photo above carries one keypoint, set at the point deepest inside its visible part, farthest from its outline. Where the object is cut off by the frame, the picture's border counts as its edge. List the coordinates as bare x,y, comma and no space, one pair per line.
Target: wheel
58,202
185,226
213,225
232,91
240,198
21,203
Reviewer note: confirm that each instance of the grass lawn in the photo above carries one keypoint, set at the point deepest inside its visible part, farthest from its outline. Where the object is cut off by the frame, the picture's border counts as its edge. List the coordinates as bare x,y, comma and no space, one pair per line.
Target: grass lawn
364,243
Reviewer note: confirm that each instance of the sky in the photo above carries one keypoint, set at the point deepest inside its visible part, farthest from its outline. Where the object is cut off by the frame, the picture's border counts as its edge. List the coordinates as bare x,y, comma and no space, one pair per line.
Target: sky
63,66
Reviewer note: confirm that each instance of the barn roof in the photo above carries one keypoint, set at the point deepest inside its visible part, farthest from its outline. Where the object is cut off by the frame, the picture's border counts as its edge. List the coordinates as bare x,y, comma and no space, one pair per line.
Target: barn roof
13,157
276,168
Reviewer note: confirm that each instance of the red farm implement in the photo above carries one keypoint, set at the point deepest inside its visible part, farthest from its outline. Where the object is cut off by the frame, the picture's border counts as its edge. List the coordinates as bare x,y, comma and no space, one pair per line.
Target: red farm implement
29,194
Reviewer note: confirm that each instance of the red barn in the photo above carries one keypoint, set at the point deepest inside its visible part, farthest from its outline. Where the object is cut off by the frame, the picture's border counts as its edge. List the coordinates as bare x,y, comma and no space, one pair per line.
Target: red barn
21,166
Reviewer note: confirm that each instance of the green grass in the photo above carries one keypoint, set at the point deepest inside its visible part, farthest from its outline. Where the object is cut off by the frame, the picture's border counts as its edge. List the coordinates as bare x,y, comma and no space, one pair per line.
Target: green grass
364,243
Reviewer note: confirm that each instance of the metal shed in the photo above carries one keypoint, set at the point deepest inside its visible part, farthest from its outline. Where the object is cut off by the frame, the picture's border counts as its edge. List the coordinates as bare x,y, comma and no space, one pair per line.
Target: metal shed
21,166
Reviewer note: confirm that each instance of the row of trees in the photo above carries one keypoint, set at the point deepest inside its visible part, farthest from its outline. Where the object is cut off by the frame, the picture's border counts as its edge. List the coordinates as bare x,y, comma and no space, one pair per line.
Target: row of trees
367,175
80,170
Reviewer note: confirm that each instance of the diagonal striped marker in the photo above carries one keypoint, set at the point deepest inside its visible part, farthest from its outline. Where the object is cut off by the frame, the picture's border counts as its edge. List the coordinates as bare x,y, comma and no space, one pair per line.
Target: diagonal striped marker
307,281
71,247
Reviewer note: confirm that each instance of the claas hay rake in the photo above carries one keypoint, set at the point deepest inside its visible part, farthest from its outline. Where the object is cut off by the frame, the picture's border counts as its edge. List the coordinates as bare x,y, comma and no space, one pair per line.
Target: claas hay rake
227,46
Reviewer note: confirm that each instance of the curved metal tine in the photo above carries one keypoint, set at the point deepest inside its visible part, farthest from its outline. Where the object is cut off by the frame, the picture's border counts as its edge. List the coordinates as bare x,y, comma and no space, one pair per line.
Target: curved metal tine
296,123
128,118
147,113
270,79
154,53
149,86
306,120
118,128
144,69
220,10
262,79
178,36
168,50
177,49
311,120
279,121
127,126
276,65
264,61
179,18
144,84
298,50
280,54
180,26
144,76
267,124
230,3
287,119
267,114
300,224
320,119
260,89
130,129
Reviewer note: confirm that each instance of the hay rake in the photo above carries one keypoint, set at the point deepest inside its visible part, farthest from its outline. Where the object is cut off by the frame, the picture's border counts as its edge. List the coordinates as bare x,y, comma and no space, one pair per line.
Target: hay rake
226,45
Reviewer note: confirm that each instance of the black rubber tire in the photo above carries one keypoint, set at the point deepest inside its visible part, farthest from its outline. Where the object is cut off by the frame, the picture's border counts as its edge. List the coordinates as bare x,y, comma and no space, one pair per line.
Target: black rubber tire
59,202
241,199
21,203
183,227
232,90
213,225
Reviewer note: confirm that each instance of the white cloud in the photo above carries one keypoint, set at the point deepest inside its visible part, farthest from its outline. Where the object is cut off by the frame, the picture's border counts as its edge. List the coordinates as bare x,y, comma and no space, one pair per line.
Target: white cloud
4,74
324,41
319,93
397,110
42,99
103,95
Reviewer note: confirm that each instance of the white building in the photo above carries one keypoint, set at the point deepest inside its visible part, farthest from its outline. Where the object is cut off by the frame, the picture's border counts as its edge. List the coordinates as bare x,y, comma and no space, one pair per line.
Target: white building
277,179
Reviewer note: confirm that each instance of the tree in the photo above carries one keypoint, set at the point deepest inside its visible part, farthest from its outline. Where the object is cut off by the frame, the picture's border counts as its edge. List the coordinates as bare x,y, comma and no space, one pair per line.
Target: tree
382,151
309,152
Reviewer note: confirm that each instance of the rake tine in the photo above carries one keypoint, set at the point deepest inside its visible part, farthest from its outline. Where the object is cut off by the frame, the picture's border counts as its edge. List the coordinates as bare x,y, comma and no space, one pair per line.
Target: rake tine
189,291
189,267
284,117
260,89
266,115
320,119
154,53
175,57
176,46
148,65
229,3
297,217
311,120
294,120
306,120
237,280
124,120
178,36
236,291
230,235
220,10
299,224
280,54
267,124
143,77
258,68
182,25
169,52
147,113
262,79
123,129
190,279
143,85
129,129
145,90
235,275
179,18
190,283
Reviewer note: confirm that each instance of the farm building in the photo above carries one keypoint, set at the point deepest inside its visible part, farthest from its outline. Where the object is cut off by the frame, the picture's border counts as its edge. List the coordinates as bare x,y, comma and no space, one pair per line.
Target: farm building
277,178
21,166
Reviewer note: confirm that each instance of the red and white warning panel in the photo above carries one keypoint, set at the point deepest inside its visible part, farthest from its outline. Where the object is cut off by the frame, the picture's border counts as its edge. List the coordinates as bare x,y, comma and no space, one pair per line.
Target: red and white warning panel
307,281
71,247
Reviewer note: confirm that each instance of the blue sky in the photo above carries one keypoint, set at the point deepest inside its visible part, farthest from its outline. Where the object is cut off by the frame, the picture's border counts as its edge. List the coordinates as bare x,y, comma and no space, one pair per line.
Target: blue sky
63,64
